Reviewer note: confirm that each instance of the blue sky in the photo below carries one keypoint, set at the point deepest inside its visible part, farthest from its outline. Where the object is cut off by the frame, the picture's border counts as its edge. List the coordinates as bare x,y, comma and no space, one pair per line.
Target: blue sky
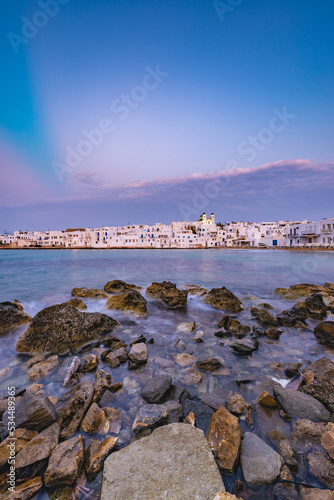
226,78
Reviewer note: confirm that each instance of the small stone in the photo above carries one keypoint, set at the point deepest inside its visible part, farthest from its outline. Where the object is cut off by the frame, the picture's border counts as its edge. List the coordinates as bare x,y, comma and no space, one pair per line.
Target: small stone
43,369
121,354
97,452
266,400
242,347
115,419
113,360
275,436
138,354
94,420
180,345
67,370
90,362
156,389
192,377
190,419
327,441
288,453
209,364
236,404
39,448
184,359
186,327
102,381
291,369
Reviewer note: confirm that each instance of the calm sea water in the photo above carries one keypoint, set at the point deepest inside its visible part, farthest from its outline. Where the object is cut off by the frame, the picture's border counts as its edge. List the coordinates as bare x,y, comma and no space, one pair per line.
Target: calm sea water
34,275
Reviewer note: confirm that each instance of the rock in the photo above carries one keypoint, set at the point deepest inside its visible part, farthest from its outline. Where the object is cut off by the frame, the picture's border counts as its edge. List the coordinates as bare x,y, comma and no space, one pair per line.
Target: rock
195,289
320,367
222,334
224,438
315,494
112,359
260,464
118,286
276,365
168,294
266,400
78,303
202,412
186,327
288,454
215,401
32,411
222,298
300,405
96,454
285,490
138,355
273,333
90,362
233,325
121,354
67,370
175,412
12,316
291,369
190,419
242,347
322,467
264,316
44,368
72,406
325,333
148,418
91,293
113,343
39,448
299,313
94,420
198,337
315,306
236,404
65,462
115,419
327,441
322,390
223,495
24,491
275,436
307,431
164,461
192,377
61,327
209,364
131,301
184,359
156,389
102,381
22,438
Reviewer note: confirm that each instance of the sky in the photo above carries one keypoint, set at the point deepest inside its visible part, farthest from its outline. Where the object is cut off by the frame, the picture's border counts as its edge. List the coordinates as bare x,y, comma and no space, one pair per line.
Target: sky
135,111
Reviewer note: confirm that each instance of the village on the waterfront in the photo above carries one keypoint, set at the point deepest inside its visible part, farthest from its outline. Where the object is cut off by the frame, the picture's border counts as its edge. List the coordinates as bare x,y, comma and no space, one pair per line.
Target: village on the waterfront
202,233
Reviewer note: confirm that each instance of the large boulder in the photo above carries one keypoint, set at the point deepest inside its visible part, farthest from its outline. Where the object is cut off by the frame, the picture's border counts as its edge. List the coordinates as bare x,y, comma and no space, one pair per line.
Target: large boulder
167,293
118,286
260,464
315,306
32,411
222,298
300,405
131,301
175,458
62,327
12,315
224,437
264,317
325,333
72,406
90,293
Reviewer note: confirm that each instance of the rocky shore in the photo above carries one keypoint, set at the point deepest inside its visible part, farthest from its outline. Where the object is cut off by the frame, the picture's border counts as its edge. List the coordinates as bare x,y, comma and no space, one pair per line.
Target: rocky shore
186,393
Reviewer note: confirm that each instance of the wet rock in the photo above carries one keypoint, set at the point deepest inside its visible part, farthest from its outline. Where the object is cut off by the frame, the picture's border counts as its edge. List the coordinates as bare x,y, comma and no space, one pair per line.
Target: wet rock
178,393
138,355
113,343
102,381
22,438
121,354
325,333
184,359
198,337
236,404
242,347
156,389
222,298
91,293
322,467
192,377
320,367
264,316
224,438
315,306
315,494
39,448
32,411
119,286
112,360
186,327
233,325
129,473
60,327
115,419
322,390
44,368
223,334
223,495
11,316
291,317
65,462
209,364
291,369
275,436
148,418
286,450
260,464
327,441
300,405
307,431
275,365
202,412
168,294
131,301
96,454
72,406
258,331
78,303
266,400
285,490
90,362
215,401
67,370
175,412
94,420
190,419
195,289
24,491
249,415
273,333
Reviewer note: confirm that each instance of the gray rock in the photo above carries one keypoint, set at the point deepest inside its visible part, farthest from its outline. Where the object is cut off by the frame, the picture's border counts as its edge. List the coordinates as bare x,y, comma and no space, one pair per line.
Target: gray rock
32,412
215,401
202,412
175,462
148,418
242,347
155,389
260,464
68,368
300,405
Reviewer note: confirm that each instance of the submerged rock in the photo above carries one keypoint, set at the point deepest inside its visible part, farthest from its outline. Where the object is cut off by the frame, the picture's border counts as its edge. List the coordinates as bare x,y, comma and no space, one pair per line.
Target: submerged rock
12,315
91,293
164,461
65,462
222,298
156,389
118,286
242,347
224,438
168,294
264,316
97,452
209,364
61,327
43,368
131,301
260,464
325,333
300,405
315,494
322,467
67,370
